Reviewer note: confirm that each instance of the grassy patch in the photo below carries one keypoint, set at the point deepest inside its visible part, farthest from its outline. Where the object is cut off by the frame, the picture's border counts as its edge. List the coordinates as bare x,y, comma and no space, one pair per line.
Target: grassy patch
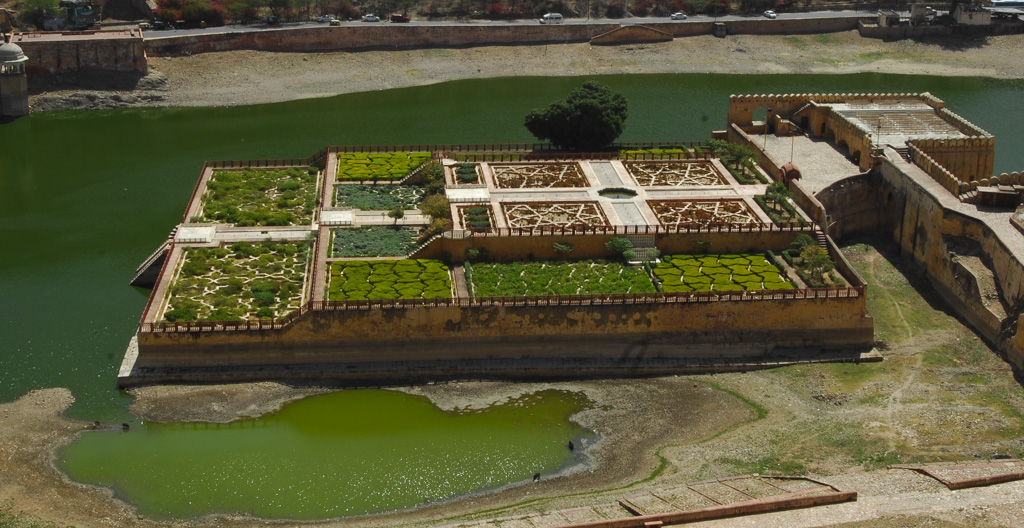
389,279
559,277
797,42
363,166
378,197
254,197
240,281
719,272
772,464
12,519
373,241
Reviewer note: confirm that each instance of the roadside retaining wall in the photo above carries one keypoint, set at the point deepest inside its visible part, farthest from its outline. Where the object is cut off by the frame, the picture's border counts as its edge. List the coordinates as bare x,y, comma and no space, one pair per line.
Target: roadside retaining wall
355,36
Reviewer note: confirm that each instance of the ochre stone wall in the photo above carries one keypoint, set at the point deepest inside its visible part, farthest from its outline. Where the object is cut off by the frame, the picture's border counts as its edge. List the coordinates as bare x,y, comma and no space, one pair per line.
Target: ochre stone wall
967,159
661,330
920,223
539,247
354,36
54,56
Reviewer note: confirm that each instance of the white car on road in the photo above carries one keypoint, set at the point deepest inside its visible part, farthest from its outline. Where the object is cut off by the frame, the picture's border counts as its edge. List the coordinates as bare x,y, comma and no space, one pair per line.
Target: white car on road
770,14
678,16
371,18
324,18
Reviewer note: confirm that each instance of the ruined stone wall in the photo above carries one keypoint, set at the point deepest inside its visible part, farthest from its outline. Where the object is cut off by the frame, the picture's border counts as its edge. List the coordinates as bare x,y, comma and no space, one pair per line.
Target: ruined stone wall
740,328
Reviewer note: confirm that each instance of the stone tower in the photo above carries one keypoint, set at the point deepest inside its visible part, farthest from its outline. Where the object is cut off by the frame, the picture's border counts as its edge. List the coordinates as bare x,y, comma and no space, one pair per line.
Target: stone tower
13,81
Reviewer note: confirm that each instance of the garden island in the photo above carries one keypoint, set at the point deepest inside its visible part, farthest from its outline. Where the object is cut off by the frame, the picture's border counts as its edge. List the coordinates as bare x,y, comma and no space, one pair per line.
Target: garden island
380,264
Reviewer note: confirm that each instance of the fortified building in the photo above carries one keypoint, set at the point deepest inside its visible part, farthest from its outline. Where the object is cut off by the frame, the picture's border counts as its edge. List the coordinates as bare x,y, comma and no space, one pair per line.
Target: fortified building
650,259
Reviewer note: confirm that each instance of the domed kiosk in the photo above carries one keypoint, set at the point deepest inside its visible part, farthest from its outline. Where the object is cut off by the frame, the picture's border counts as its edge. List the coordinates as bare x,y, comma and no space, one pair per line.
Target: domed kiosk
13,81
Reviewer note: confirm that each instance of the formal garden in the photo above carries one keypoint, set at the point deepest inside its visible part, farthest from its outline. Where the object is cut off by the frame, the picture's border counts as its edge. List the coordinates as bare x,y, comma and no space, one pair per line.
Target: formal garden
726,272
260,197
703,213
238,282
479,216
370,167
674,174
553,214
357,280
373,241
556,277
547,175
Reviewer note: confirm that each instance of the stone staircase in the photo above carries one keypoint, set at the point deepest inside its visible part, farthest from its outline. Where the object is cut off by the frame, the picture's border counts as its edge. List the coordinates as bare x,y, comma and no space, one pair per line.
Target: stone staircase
644,247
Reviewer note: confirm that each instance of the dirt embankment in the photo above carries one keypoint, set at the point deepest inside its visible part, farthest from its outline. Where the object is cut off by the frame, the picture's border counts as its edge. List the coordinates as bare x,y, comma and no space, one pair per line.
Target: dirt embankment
252,77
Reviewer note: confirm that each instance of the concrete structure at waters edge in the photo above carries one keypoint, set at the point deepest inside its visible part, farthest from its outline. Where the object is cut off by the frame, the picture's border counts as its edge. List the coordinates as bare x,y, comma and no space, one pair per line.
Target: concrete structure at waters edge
914,171
13,81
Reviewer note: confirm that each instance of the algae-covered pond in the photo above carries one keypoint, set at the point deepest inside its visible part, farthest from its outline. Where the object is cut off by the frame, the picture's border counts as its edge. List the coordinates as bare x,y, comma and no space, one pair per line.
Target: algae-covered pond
346,453
86,196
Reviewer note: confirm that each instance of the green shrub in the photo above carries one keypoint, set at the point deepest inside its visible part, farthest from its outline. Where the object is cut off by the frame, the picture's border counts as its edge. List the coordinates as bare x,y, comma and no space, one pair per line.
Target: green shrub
362,166
373,241
558,277
401,279
250,197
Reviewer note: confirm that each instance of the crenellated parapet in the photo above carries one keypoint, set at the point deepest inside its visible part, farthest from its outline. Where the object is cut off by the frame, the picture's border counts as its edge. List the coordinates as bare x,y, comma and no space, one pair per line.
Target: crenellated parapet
963,125
968,158
947,179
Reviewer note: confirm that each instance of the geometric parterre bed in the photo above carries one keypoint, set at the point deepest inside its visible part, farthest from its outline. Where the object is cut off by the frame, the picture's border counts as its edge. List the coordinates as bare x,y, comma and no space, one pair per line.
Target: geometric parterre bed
557,214
538,175
238,282
729,272
558,277
703,212
258,197
364,166
352,280
476,216
664,174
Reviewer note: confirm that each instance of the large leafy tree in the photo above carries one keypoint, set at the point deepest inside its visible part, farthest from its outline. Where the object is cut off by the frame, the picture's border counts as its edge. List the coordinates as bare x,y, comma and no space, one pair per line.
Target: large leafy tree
589,119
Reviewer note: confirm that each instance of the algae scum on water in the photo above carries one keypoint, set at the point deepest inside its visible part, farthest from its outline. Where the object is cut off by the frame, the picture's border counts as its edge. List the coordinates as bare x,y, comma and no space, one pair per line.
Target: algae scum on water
346,453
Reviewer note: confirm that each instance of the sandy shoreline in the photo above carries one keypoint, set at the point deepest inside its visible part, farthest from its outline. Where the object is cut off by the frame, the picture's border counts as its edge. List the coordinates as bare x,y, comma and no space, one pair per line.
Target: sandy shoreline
252,77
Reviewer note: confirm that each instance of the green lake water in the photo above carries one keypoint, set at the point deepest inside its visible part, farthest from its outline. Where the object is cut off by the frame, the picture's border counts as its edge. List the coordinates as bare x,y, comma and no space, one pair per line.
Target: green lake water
86,196
346,453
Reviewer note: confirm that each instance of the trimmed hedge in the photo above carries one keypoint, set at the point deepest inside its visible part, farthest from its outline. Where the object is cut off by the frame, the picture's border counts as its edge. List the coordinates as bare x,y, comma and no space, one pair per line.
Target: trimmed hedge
378,197
558,277
389,279
728,272
364,166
